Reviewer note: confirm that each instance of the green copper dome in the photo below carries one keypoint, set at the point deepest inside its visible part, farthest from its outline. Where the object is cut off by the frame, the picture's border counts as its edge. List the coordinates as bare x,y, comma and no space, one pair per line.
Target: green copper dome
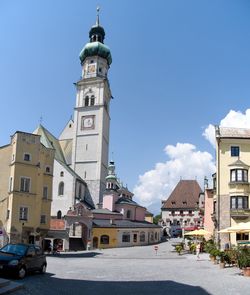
96,48
111,177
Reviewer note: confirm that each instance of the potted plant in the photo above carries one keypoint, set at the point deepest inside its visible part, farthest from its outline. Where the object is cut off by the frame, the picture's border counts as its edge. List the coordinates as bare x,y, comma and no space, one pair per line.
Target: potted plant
243,260
179,248
192,248
223,258
215,255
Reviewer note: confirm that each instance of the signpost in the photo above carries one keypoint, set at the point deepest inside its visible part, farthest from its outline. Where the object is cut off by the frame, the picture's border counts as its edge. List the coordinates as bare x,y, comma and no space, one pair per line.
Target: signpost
156,249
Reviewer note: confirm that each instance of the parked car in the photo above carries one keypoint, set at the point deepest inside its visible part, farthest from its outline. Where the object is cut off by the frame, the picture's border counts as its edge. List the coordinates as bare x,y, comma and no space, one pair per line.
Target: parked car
18,259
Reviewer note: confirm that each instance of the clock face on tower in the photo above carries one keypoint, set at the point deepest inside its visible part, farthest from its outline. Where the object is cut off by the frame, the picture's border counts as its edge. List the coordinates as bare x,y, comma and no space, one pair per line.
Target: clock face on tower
91,68
88,122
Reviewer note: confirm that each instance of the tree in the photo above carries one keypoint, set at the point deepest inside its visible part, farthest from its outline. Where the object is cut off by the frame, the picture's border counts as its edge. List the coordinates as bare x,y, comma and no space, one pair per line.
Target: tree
156,218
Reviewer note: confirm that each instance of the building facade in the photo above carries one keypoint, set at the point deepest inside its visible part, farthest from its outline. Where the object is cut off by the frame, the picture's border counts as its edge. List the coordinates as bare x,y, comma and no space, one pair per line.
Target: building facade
181,210
231,203
92,118
121,221
26,188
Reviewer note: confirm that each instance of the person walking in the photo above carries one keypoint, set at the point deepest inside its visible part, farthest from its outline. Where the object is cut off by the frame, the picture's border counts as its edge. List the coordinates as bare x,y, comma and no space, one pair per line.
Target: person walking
198,249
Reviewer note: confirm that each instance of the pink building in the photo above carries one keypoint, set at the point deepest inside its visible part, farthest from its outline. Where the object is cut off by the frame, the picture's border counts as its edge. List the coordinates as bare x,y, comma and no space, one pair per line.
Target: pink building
118,199
208,212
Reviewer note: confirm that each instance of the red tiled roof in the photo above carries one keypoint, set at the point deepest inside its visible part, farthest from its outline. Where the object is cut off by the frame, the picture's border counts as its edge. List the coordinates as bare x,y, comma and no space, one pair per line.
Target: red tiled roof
58,224
185,195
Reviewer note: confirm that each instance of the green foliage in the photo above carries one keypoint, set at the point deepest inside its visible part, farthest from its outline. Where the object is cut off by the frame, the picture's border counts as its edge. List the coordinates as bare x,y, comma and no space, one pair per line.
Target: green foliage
243,257
179,248
210,246
215,252
224,257
156,218
192,248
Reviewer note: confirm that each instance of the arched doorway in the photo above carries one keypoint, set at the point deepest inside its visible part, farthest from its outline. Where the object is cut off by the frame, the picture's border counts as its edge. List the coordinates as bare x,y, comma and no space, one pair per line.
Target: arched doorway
95,242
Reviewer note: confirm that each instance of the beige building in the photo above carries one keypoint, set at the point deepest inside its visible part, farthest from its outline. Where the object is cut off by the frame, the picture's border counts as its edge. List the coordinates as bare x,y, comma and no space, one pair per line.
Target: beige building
25,188
231,203
181,210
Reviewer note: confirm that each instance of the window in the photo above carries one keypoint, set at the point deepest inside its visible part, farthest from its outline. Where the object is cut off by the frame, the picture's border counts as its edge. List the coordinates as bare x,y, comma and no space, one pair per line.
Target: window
47,169
126,237
128,214
26,157
45,192
80,191
59,214
135,238
92,100
8,214
239,202
61,173
242,236
23,213
43,219
104,239
25,184
85,174
61,189
86,101
142,237
10,184
155,236
235,151
239,175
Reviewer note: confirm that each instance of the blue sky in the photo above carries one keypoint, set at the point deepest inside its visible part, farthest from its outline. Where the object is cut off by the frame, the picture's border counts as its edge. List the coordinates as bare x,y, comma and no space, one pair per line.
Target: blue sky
178,66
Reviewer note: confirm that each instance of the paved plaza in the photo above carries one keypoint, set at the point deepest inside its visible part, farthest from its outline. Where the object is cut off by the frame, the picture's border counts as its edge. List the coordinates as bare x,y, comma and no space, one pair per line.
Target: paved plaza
135,270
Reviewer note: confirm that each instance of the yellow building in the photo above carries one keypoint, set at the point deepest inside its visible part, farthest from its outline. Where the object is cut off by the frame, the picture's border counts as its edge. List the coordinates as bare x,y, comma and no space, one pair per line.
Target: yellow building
149,217
25,188
231,202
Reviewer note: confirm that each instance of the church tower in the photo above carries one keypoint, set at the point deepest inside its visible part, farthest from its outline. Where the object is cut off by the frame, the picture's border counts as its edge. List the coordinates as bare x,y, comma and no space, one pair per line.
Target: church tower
91,116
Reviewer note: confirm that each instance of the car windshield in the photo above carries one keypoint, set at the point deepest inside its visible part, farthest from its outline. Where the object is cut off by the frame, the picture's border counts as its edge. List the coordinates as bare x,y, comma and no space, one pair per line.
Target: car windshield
14,249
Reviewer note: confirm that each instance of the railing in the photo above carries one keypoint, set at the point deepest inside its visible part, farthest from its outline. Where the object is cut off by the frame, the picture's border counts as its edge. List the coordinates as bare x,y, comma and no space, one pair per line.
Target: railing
240,213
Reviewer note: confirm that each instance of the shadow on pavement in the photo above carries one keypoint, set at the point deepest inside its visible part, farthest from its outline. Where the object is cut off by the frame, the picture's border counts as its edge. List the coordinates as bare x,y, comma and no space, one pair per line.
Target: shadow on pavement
74,255
47,284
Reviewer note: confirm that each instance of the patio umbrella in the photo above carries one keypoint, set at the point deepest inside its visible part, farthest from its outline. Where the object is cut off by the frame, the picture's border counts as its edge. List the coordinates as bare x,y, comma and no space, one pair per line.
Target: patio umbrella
198,232
239,227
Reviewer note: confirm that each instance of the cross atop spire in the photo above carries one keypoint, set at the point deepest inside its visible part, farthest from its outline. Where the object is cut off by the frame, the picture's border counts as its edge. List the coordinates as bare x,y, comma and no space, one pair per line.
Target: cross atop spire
97,16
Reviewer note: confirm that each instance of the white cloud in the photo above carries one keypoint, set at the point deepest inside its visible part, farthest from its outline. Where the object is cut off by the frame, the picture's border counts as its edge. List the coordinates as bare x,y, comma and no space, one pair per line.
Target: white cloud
232,119
185,162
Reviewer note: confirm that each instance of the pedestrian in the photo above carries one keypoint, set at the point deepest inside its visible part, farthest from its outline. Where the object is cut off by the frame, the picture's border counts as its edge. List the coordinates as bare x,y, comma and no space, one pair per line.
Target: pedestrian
198,248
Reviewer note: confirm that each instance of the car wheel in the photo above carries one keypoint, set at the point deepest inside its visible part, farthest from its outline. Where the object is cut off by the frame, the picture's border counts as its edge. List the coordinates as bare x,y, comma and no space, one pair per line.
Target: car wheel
43,268
21,272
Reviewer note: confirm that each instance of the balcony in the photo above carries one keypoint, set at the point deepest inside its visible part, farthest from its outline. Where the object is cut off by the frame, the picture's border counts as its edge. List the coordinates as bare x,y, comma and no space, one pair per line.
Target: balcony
240,213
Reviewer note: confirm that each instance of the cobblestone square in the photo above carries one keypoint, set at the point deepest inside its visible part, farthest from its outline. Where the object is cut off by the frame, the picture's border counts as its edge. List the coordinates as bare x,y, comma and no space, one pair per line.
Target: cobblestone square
135,270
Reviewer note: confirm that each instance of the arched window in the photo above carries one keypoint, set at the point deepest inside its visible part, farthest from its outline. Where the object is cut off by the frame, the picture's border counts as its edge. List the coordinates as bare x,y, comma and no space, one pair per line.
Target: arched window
104,239
59,214
86,101
61,189
128,214
92,100
47,169
142,236
80,191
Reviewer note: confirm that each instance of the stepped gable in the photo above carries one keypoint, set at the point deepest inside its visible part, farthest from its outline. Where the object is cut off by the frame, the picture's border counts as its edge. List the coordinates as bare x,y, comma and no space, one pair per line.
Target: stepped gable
185,195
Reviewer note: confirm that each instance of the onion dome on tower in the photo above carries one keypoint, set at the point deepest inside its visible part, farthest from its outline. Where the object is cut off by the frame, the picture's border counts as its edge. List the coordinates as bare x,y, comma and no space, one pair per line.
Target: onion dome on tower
96,47
111,179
